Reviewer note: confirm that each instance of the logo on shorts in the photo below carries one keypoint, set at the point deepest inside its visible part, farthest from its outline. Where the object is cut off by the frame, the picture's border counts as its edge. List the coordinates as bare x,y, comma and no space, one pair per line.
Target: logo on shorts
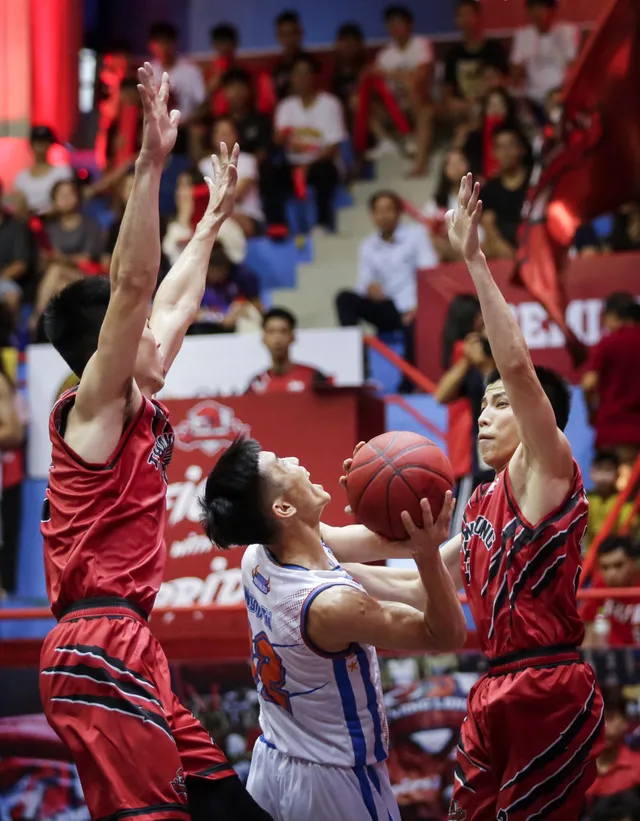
456,813
210,427
261,582
179,784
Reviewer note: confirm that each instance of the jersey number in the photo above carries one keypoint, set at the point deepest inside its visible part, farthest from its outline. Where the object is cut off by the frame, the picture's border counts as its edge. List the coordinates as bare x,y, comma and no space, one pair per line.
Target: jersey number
269,673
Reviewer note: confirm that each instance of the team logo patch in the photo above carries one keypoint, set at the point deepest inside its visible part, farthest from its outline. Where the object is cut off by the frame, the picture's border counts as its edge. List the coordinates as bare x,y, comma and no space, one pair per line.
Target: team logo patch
179,784
456,813
261,582
209,427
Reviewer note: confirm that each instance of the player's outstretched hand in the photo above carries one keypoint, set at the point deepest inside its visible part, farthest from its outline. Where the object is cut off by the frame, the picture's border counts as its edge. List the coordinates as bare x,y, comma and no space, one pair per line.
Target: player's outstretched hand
463,222
222,188
160,127
346,467
423,541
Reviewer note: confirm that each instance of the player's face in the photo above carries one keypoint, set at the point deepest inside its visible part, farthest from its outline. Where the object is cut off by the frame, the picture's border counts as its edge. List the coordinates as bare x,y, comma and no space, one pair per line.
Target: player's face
499,435
296,488
618,569
149,366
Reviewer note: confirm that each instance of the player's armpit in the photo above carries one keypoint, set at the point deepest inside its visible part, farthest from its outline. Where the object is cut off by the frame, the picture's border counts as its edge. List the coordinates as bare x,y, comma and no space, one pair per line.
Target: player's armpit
390,584
450,554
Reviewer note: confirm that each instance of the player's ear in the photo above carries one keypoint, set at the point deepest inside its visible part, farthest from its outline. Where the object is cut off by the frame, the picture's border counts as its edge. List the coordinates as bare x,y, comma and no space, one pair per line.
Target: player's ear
282,509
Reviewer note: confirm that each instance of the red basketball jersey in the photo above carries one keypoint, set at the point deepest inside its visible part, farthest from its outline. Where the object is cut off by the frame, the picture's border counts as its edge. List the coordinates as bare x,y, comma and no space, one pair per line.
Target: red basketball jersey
521,580
103,525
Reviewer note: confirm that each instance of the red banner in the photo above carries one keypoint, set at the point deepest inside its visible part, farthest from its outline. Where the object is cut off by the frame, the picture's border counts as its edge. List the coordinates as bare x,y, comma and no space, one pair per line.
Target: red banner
588,282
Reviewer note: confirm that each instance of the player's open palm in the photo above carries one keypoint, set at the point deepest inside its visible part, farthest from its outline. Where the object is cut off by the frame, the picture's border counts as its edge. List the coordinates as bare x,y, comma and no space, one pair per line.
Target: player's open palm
222,188
463,221
160,127
427,538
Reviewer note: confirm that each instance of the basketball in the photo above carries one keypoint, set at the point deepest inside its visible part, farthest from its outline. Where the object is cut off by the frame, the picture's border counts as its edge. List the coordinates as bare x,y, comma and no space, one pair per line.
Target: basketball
392,473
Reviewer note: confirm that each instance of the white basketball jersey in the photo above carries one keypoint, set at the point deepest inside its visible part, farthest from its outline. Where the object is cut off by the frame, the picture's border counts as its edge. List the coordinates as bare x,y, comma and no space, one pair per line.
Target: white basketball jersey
322,708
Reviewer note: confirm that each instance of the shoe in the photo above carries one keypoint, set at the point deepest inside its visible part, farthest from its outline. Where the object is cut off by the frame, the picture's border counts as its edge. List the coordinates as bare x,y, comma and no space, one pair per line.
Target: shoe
385,148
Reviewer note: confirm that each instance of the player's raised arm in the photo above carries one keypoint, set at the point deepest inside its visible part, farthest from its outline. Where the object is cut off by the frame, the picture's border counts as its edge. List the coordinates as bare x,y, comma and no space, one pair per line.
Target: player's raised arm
545,447
108,376
178,300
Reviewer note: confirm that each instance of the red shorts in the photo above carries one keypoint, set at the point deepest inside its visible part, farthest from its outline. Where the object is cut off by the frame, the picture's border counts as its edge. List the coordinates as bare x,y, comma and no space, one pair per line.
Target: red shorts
106,690
529,743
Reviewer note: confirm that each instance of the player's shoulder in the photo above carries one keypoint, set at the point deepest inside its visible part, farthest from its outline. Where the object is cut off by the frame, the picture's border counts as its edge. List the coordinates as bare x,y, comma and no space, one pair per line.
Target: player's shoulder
251,555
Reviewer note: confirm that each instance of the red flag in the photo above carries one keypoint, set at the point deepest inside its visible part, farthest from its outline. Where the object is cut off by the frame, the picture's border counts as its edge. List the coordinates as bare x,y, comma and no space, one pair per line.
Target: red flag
590,164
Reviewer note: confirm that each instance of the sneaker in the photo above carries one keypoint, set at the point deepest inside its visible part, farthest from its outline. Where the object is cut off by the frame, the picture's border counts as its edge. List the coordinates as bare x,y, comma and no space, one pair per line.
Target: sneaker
385,148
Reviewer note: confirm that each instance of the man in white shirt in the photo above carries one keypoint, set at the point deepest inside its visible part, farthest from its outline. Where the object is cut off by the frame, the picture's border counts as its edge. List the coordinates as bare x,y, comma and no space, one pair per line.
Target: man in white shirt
542,52
310,126
386,293
188,90
34,185
406,64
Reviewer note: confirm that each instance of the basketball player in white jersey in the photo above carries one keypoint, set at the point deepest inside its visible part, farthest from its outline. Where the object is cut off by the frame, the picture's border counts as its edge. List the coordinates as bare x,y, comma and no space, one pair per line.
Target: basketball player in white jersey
314,628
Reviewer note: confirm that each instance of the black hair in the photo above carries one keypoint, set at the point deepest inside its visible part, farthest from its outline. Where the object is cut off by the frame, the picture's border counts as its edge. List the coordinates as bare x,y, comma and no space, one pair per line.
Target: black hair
350,30
511,127
234,507
622,806
224,33
224,118
621,304
163,31
400,12
444,186
236,75
196,177
555,388
472,4
614,700
309,60
617,541
610,457
280,313
72,182
459,323
287,16
385,194
218,257
73,318
510,123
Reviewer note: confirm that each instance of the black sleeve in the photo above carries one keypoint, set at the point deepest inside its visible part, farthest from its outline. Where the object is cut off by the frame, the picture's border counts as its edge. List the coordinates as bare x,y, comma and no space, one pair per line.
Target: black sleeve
497,56
265,133
450,64
488,195
320,378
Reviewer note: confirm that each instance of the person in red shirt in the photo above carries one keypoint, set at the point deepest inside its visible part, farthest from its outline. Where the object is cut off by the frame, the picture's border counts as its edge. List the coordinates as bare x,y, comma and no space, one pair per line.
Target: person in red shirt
611,393
278,335
618,566
104,679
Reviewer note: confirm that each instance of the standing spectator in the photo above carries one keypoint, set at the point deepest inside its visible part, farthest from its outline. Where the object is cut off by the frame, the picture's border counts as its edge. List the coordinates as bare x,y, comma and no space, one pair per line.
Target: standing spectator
542,53
611,393
407,63
11,437
386,294
187,84
603,497
310,126
350,60
35,184
284,375
617,567
16,259
290,36
504,196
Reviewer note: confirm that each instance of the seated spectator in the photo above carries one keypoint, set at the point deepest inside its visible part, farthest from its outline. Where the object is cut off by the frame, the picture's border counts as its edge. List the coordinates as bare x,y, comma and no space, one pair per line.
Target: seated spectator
386,293
34,185
618,566
16,260
124,136
406,63
187,84
11,437
498,108
224,41
290,36
349,62
122,194
605,473
310,127
284,375
611,393
621,807
504,196
248,211
542,53
231,300
76,242
618,766
255,132
626,228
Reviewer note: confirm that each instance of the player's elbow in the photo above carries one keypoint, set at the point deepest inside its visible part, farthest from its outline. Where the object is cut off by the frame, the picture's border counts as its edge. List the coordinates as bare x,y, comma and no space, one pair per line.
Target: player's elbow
448,640
139,283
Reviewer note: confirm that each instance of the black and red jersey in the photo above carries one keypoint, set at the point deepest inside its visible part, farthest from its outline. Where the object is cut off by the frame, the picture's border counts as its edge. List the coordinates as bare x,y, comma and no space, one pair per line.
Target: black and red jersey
103,524
296,379
520,579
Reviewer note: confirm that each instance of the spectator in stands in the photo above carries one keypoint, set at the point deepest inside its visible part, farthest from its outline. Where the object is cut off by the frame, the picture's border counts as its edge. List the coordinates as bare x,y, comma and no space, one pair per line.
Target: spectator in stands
386,293
466,62
12,431
542,52
611,393
187,83
231,300
626,228
603,497
310,126
248,211
122,194
349,62
16,259
290,36
618,766
35,184
224,41
407,65
284,375
476,136
504,195
618,566
255,131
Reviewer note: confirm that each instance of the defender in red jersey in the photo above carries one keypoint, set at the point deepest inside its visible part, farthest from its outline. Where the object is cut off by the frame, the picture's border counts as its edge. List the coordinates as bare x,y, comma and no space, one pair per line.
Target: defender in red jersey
104,680
533,731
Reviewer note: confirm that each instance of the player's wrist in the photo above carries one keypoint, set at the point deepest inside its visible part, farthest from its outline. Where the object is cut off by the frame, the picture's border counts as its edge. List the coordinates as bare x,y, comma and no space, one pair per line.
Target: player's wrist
477,256
149,161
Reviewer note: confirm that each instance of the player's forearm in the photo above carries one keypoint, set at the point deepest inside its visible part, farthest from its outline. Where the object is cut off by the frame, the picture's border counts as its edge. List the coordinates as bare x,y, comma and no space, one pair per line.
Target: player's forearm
356,543
443,616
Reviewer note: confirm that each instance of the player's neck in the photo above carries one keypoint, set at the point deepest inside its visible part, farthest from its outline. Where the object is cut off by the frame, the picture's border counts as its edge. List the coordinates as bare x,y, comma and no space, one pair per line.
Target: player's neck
301,545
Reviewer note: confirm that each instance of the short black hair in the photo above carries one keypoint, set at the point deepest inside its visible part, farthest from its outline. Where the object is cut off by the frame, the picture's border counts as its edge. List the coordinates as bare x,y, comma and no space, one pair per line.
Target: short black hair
618,541
352,30
234,507
621,304
73,318
622,806
163,31
511,127
236,75
224,33
472,4
280,313
608,457
309,60
401,12
555,388
288,16
386,194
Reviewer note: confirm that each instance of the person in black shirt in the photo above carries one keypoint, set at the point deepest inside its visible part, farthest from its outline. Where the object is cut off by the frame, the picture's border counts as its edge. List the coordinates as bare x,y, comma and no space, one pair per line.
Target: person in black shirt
503,197
350,60
255,132
290,35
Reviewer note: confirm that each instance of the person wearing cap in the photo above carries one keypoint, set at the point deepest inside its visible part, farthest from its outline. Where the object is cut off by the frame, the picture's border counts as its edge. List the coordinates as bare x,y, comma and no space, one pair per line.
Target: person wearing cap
34,184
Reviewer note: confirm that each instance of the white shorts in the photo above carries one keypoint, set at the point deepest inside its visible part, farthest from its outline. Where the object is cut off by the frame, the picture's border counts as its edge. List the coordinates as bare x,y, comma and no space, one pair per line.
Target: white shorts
295,790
